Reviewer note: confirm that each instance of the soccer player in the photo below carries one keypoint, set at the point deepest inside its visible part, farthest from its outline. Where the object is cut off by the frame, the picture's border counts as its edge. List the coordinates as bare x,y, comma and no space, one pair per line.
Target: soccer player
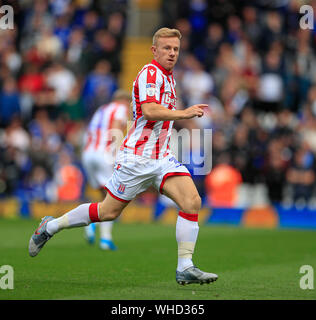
98,156
145,160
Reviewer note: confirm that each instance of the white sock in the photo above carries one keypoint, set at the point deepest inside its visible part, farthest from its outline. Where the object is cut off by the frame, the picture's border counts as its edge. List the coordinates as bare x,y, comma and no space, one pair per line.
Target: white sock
186,235
77,217
106,230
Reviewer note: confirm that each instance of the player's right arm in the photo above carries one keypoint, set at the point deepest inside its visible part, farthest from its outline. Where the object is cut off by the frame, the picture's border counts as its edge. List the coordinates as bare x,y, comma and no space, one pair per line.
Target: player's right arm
156,112
149,83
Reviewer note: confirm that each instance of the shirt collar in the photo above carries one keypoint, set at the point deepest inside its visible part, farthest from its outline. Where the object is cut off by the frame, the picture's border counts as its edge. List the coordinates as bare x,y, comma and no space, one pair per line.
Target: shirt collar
164,71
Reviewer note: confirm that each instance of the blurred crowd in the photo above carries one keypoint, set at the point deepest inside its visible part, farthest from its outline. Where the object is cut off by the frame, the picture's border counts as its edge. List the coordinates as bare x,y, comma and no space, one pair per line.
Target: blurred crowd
59,63
248,60
255,67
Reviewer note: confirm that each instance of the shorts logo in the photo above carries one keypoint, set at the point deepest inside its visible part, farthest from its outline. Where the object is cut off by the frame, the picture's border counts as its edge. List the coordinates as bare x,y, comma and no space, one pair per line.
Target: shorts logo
118,167
121,188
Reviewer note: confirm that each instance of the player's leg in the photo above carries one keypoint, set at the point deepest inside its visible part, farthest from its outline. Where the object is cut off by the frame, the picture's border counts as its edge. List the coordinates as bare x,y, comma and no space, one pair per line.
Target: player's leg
99,168
182,191
106,227
90,165
106,240
108,210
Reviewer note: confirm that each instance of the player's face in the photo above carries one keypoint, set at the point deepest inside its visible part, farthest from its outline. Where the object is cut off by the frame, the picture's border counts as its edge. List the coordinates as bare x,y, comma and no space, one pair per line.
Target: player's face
166,52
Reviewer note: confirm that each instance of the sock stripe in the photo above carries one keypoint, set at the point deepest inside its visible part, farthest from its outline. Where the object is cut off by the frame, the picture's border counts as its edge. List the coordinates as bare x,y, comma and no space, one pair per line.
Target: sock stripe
93,212
189,216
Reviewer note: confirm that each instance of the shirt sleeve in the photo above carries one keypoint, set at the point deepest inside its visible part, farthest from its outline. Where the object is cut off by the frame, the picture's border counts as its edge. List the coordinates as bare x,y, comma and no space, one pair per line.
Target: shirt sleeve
149,84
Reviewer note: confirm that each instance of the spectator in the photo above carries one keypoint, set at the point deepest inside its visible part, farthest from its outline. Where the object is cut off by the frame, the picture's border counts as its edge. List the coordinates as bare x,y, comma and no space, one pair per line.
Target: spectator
15,136
219,147
32,80
76,46
234,32
107,48
12,59
36,19
307,123
198,11
10,173
212,43
301,175
222,184
251,25
61,79
99,87
196,83
59,7
30,84
241,153
275,172
116,26
49,46
37,185
69,179
62,29
91,24
271,85
272,31
9,102
304,56
73,106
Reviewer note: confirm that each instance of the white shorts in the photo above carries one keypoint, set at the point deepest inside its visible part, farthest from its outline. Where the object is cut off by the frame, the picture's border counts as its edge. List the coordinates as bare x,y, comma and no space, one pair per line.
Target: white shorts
134,174
98,167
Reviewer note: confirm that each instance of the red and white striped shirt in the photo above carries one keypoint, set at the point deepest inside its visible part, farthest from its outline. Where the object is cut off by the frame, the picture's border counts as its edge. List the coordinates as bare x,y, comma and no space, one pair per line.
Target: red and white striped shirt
147,138
98,136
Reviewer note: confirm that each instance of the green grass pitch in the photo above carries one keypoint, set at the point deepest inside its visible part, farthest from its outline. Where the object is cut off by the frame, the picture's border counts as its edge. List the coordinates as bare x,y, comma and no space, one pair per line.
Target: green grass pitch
251,263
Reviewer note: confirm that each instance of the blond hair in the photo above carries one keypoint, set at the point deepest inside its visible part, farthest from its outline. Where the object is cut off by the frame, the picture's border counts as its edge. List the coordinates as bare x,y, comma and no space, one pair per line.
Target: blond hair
121,94
166,33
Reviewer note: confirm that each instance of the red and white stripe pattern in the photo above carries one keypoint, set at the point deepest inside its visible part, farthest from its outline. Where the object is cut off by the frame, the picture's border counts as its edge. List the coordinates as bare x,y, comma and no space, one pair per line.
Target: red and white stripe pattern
146,138
98,135
194,217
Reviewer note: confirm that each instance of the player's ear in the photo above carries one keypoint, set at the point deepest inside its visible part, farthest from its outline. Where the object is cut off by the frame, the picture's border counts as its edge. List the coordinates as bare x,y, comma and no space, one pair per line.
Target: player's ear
153,49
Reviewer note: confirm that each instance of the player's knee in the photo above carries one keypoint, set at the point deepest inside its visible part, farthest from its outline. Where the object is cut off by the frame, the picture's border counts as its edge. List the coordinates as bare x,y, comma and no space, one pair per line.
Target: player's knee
108,214
196,202
192,204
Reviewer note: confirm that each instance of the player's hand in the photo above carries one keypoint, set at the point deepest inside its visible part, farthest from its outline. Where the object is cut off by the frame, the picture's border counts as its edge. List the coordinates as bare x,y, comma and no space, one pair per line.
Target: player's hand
196,110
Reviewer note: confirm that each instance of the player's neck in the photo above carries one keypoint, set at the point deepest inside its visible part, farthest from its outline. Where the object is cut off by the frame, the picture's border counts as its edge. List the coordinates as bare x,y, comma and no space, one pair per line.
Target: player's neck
165,71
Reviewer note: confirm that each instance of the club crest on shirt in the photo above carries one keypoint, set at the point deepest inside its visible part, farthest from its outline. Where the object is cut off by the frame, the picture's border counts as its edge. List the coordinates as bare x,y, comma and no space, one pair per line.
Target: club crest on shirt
150,89
121,188
150,92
